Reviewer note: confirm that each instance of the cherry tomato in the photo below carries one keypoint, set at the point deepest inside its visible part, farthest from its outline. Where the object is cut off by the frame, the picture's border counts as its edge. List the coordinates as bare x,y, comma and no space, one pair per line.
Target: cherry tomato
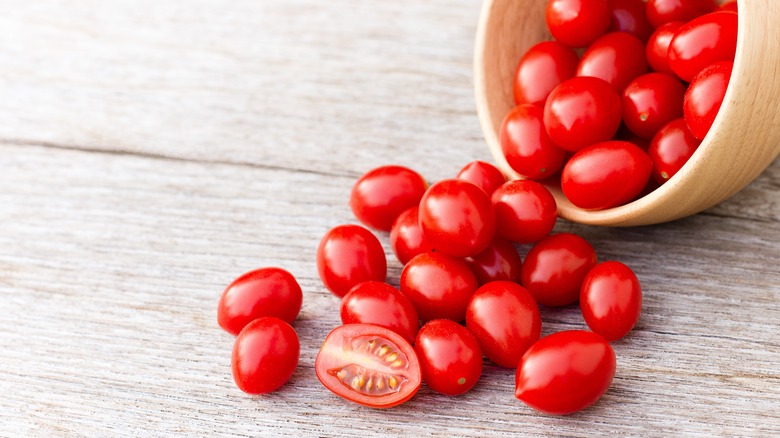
670,149
526,145
440,286
565,372
450,357
382,194
702,42
374,302
582,111
605,175
265,355
541,69
406,236
616,57
499,261
729,6
525,211
348,255
657,50
505,319
368,365
611,300
577,23
484,175
457,218
629,16
660,12
651,101
262,292
704,97
554,268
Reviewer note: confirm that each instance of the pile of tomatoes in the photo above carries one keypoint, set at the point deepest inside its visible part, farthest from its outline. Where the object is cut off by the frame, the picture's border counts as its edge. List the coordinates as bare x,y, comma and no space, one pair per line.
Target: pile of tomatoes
621,112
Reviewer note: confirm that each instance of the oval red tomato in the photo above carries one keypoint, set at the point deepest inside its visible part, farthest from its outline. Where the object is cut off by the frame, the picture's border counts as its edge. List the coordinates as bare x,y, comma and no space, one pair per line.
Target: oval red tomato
617,58
382,194
629,16
483,175
525,211
505,319
265,355
670,149
660,12
348,255
450,357
440,286
541,69
702,42
577,23
374,302
368,365
526,145
262,292
705,96
565,372
406,236
657,50
611,300
499,261
651,101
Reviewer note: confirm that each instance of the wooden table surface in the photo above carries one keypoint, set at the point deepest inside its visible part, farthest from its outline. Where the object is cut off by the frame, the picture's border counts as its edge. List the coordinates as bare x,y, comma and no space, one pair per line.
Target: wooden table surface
152,151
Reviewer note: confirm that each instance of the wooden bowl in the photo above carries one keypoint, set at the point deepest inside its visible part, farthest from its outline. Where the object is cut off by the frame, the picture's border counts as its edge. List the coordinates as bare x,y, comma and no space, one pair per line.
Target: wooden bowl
742,142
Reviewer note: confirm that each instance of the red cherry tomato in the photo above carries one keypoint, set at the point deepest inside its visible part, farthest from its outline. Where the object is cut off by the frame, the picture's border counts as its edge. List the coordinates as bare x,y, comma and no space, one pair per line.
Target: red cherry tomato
505,319
499,261
440,286
616,57
457,218
657,50
660,12
582,111
629,16
577,23
705,96
373,302
265,355
406,236
368,365
483,175
729,6
605,175
262,292
611,300
450,357
525,211
702,42
651,101
541,69
526,145
565,372
554,268
348,255
670,149
382,194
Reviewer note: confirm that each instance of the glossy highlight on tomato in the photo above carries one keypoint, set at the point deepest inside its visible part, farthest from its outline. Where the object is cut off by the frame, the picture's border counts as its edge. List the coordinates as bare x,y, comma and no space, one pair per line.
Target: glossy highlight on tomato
611,300
527,146
450,357
382,194
541,69
265,355
440,286
368,365
348,255
565,372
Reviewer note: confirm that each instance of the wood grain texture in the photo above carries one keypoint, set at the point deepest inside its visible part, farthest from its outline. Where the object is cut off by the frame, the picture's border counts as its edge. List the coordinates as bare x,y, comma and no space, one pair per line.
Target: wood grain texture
150,153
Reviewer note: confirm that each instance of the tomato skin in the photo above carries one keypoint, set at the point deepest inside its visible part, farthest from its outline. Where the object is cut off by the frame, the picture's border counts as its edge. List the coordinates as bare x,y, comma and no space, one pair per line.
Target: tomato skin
262,292
368,365
450,357
541,69
651,101
704,97
660,12
457,218
484,175
505,319
605,175
729,6
438,285
565,372
670,149
582,111
348,255
265,355
555,267
499,261
617,57
577,23
702,42
657,51
629,16
526,211
526,145
381,194
406,236
611,300
374,302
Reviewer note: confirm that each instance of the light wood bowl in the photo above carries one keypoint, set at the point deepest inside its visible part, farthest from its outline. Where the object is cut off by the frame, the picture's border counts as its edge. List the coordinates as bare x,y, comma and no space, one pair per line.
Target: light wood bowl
742,142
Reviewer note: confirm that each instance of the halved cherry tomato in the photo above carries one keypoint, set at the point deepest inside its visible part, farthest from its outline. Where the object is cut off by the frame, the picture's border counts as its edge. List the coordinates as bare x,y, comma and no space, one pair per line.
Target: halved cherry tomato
348,255
611,299
526,145
382,194
629,16
440,286
577,23
670,149
406,236
499,261
484,175
368,365
660,12
617,57
657,50
705,96
651,101
265,355
450,357
374,302
702,42
541,69
525,211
